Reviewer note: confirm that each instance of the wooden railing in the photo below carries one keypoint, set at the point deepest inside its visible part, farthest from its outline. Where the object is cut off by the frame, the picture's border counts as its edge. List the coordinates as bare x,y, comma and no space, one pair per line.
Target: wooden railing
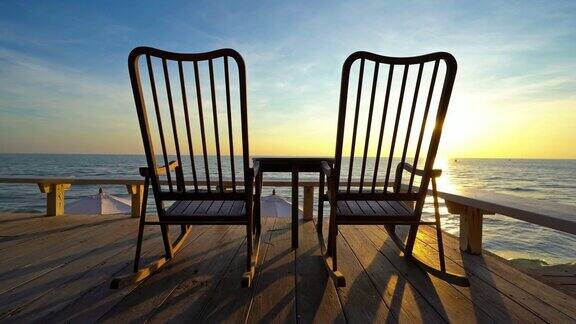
471,205
55,187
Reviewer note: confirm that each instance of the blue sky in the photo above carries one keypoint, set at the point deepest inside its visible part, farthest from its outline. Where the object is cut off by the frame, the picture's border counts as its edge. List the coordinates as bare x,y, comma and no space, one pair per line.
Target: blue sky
64,85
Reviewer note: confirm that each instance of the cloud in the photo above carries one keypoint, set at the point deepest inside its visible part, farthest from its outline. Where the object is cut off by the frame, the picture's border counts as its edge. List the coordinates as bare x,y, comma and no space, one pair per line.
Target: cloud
42,98
509,54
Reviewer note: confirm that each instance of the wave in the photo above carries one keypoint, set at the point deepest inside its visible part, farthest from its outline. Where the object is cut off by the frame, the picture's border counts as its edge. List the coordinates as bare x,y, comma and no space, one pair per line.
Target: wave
26,211
537,263
518,189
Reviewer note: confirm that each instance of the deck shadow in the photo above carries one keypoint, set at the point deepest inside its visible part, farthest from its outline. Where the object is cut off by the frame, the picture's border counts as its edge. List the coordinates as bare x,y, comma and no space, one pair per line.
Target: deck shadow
410,274
19,219
33,235
477,294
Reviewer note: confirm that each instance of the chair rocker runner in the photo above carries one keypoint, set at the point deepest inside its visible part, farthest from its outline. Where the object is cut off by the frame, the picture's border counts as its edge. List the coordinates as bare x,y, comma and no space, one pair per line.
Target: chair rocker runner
201,201
411,109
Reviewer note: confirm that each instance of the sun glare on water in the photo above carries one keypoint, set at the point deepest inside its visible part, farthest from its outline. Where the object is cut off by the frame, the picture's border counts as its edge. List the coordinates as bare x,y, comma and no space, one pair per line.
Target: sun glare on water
444,183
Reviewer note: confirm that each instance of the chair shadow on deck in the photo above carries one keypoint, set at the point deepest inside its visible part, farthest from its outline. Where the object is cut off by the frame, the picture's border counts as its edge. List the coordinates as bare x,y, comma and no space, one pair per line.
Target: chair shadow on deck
269,270
9,238
187,284
481,291
388,267
479,296
316,294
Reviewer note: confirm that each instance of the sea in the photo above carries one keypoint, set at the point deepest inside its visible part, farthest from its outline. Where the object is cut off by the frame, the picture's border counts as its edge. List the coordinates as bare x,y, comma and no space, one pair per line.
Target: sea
544,180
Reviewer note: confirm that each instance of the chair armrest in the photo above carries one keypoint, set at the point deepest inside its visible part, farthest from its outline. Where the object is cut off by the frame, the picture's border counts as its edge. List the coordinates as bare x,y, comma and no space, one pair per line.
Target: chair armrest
145,171
326,169
408,167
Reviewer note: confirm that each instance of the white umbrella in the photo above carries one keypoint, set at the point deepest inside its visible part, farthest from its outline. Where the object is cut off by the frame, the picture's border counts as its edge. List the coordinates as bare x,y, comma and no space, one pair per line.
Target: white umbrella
102,203
274,206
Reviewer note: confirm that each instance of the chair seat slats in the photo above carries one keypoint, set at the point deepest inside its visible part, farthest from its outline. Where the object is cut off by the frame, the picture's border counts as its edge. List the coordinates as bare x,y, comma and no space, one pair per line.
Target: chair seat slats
178,207
400,207
355,208
388,208
204,207
343,208
238,208
191,207
377,208
226,207
366,208
207,208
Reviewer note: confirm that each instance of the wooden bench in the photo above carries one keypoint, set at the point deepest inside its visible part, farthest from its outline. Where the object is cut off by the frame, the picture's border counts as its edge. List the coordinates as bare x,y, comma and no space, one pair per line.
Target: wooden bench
472,205
55,187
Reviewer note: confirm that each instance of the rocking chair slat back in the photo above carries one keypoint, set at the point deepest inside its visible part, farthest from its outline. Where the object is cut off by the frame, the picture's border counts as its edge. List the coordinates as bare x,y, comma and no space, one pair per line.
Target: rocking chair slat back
227,91
411,106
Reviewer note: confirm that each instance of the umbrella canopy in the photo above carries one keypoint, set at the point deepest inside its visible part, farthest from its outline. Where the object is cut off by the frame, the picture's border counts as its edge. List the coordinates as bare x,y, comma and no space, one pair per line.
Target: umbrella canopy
102,203
274,206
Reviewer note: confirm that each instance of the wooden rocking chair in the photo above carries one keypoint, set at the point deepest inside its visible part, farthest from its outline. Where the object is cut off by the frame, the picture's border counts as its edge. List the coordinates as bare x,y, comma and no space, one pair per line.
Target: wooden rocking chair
411,110
196,202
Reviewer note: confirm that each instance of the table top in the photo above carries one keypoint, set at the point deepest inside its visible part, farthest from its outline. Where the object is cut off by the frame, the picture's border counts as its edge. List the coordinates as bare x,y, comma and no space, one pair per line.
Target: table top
293,159
286,164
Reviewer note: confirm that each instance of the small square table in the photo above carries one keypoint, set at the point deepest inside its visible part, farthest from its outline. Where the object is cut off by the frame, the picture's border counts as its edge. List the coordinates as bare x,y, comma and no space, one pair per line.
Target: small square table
293,165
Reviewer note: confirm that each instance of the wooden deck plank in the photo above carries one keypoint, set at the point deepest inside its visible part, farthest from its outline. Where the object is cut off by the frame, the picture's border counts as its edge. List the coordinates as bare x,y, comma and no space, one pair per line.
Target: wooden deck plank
228,303
446,300
31,285
317,299
523,289
56,251
94,298
187,299
23,222
202,284
34,235
65,286
6,218
275,292
10,221
140,304
405,302
360,299
31,229
559,276
481,293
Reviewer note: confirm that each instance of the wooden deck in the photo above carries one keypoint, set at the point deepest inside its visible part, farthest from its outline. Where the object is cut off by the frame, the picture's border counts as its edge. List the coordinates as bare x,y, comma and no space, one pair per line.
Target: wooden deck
58,269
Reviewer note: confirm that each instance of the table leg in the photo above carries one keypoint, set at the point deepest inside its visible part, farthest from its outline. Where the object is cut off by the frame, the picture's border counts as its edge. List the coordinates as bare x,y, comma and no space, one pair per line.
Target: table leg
294,207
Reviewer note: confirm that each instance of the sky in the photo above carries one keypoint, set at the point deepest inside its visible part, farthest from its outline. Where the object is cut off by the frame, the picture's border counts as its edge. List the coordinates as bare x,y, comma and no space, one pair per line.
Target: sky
64,85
